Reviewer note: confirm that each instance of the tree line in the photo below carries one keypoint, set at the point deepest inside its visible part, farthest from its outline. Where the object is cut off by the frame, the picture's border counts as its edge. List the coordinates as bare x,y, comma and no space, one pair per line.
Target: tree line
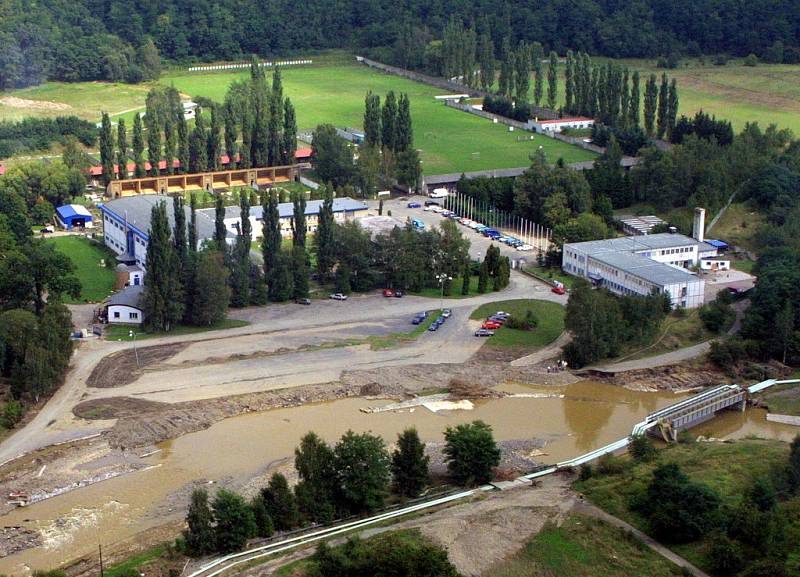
255,127
353,477
35,325
34,134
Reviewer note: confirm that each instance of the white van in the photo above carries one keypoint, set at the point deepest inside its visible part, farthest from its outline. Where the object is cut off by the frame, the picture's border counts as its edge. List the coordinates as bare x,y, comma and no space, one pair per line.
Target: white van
438,193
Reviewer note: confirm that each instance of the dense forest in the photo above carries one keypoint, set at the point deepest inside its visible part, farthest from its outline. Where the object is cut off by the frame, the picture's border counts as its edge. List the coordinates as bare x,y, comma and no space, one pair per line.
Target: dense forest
122,40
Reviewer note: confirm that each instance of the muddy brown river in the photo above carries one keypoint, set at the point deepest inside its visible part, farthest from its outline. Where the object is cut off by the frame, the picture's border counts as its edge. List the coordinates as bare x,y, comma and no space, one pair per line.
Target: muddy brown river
588,416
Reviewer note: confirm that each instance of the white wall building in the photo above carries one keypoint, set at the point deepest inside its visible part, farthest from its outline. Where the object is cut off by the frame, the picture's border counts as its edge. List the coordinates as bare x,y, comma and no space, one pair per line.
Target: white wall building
124,306
641,265
559,124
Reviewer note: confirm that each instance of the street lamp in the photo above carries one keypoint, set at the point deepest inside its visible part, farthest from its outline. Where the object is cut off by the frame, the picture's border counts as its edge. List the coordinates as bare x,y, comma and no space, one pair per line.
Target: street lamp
441,278
132,335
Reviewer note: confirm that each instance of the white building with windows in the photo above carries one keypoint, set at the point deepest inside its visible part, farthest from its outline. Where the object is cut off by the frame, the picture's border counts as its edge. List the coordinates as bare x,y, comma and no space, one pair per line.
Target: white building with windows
124,307
559,124
641,265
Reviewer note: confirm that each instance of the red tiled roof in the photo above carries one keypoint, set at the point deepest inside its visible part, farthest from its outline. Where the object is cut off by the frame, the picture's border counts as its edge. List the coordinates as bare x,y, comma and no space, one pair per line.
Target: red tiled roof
302,153
2,170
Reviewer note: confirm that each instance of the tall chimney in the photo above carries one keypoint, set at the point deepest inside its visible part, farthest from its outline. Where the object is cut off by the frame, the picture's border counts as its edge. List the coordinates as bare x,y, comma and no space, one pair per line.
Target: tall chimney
699,228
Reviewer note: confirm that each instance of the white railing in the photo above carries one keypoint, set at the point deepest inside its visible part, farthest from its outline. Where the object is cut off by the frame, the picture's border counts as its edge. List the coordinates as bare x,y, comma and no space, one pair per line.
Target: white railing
279,64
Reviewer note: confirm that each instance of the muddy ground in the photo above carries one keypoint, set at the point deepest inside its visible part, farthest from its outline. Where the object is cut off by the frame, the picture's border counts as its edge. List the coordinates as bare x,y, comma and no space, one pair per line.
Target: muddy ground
675,378
122,368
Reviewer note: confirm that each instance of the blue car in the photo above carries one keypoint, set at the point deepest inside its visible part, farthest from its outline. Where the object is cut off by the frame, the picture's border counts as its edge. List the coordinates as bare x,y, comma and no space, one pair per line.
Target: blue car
433,327
414,205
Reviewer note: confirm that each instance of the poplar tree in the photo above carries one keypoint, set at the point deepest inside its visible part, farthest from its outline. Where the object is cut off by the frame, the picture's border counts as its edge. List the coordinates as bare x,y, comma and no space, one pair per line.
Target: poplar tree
231,134
552,80
163,295
289,135
592,101
299,226
179,232
404,131
271,237
466,277
372,119
505,81
240,273
672,102
246,150
275,120
300,272
259,120
569,84
198,145
634,102
106,149
214,142
323,239
122,150
586,85
538,74
389,121
169,144
183,143
663,107
192,239
486,57
410,464
138,146
189,266
650,98
523,72
624,98
220,232
153,143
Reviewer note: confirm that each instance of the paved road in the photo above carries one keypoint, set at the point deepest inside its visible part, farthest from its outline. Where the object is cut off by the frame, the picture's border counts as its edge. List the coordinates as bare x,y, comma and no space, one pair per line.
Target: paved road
189,375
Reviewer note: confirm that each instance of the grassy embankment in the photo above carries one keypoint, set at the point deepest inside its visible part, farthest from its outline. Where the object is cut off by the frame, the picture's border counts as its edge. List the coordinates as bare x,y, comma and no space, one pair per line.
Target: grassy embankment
550,317
727,468
584,547
783,399
122,332
97,282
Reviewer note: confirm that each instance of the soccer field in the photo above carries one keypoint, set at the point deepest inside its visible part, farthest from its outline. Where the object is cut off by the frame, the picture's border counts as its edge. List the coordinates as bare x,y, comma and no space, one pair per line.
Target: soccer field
450,140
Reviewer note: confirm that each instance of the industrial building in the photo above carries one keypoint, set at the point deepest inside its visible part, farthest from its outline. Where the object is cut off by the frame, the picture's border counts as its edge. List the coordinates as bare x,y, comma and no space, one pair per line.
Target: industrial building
642,265
72,216
558,124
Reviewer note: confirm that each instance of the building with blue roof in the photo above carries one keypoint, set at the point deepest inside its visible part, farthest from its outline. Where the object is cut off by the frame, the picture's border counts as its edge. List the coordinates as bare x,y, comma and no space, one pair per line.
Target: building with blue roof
72,216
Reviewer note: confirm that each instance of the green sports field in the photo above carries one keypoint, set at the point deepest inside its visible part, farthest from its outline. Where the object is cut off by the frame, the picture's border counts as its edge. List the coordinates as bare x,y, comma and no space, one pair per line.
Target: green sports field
450,140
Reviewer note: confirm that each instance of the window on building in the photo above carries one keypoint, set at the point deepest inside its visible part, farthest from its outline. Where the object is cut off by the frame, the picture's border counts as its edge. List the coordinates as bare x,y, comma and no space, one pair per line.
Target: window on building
133,316
116,315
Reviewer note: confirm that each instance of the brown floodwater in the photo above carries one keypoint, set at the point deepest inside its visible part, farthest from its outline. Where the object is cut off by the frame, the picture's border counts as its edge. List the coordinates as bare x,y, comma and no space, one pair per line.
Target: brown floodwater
589,415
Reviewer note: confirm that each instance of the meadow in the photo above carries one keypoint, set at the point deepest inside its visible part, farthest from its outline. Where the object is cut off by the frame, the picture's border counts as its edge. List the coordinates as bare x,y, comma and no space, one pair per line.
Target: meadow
97,281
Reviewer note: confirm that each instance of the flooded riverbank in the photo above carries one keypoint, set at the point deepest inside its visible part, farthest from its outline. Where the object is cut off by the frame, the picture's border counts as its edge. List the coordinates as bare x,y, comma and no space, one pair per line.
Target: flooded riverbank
570,420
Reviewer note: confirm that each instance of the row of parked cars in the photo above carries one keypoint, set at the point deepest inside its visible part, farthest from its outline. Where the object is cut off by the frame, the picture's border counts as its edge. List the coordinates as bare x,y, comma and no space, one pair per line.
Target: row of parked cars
440,320
513,242
492,323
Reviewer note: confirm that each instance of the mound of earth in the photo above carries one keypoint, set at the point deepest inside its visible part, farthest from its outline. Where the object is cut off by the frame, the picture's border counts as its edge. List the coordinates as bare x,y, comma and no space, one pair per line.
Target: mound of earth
122,368
15,102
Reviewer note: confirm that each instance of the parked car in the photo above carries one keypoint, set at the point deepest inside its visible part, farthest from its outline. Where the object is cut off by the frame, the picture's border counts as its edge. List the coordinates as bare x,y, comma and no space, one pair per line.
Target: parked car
502,314
417,320
303,301
559,290
48,228
434,326
388,292
446,313
339,297
431,203
524,247
484,333
734,290
491,325
497,319
398,294
414,205
428,208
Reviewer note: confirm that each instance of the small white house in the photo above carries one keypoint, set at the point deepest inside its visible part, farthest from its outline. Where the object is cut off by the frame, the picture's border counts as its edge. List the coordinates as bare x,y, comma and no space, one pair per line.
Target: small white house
715,264
124,307
189,109
559,124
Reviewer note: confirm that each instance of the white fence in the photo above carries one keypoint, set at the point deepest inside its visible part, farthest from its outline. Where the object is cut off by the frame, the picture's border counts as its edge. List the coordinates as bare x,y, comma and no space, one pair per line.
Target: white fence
214,67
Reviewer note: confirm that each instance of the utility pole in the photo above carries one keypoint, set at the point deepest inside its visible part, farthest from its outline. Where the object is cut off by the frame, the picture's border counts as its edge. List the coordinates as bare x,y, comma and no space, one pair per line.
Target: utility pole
100,547
135,351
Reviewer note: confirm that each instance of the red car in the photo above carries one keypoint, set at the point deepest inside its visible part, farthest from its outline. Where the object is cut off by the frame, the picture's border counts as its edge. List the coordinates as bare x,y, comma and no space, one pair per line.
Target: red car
559,290
491,326
388,292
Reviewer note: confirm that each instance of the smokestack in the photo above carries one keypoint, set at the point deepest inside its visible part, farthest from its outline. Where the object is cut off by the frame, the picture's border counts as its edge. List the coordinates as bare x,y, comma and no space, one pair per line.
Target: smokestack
699,228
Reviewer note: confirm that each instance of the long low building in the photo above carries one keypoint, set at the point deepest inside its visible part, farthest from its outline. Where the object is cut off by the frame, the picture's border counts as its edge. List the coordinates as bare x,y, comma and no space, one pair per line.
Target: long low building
642,265
126,221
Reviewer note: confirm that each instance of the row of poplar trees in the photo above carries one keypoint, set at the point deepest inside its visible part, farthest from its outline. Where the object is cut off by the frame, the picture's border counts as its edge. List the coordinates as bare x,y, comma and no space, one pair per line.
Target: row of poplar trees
221,272
255,127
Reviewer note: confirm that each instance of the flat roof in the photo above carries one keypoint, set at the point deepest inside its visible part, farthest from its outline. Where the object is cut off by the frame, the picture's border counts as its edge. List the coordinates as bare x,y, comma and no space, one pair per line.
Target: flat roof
645,268
136,211
286,209
564,120
647,242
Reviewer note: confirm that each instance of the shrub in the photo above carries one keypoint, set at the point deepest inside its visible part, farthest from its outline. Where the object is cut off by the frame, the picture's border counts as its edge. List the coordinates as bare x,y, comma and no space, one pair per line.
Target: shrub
642,448
586,472
608,464
12,414
751,60
526,323
725,556
471,452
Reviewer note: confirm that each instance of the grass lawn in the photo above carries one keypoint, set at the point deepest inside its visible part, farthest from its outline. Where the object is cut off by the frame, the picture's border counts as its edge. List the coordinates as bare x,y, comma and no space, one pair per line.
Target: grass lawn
783,399
678,330
97,282
737,225
549,314
455,293
727,468
583,547
551,274
135,562
121,332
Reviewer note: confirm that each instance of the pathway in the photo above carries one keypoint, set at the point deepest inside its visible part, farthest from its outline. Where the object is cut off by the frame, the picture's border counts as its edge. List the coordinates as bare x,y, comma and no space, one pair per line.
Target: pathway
545,353
593,511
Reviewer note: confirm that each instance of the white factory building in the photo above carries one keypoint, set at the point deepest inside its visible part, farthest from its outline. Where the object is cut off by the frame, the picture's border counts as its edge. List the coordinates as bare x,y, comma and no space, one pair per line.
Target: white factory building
641,265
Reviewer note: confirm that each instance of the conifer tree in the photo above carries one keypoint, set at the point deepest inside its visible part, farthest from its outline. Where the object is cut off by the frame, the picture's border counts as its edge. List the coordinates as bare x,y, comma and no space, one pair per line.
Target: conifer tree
106,149
169,144
199,535
389,121
271,237
323,239
153,143
404,133
231,134
220,232
289,135
466,278
663,107
672,106
650,100
552,81
214,143
634,102
183,143
138,146
240,264
280,503
538,74
410,464
122,150
163,296
299,224
179,236
372,119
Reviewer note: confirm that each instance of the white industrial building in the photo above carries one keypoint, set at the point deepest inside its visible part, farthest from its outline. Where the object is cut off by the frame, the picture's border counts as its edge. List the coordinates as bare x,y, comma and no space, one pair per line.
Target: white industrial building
559,124
125,307
642,265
